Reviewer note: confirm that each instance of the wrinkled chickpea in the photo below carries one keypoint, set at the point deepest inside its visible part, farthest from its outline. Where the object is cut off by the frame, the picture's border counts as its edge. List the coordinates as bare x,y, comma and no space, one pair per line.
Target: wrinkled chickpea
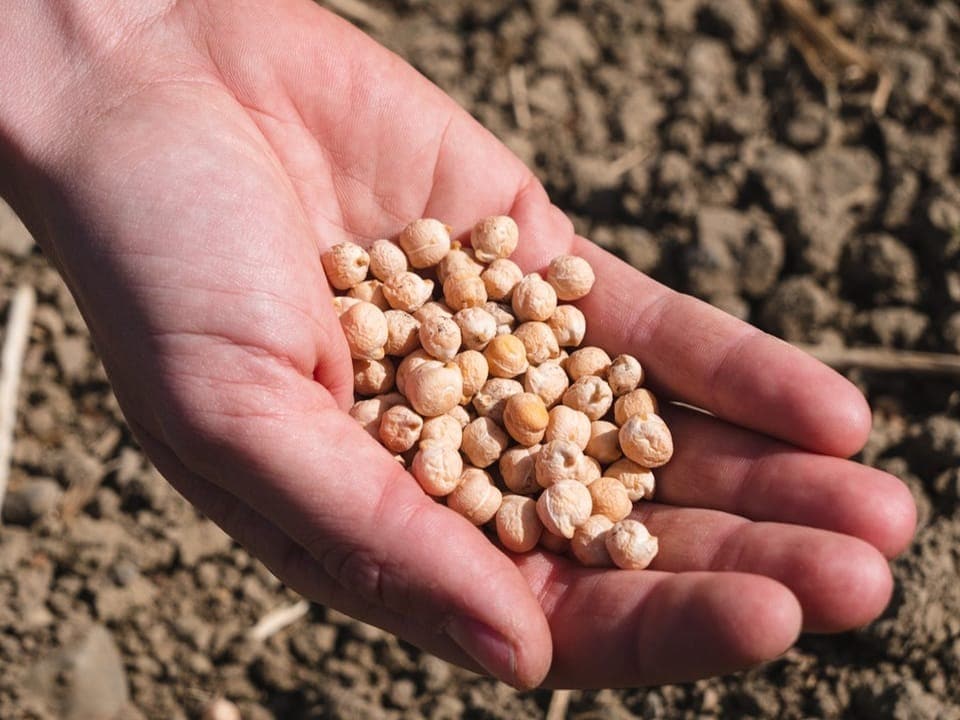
571,276
517,468
637,402
484,442
518,526
461,415
425,241
590,470
458,262
463,291
500,278
548,380
525,417
386,260
492,398
400,428
568,424
558,460
407,291
437,467
539,341
373,377
443,429
568,325
506,322
476,497
473,368
553,543
589,545
494,237
587,361
440,336
638,480
434,389
506,356
564,506
403,333
345,265
646,440
365,327
370,291
533,299
369,412
631,546
590,395
477,327
342,303
610,498
604,442
624,375
432,308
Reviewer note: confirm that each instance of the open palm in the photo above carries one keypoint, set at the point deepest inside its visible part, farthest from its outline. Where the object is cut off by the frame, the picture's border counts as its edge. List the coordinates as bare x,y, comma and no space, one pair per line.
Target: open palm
244,138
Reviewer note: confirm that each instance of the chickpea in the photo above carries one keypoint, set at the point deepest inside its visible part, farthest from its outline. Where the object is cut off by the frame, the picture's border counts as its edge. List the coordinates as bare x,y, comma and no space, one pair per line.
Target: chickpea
587,361
400,428
484,442
638,480
407,291
506,322
463,291
345,264
342,303
410,363
631,546
425,241
638,402
518,526
373,377
440,336
473,367
558,460
443,429
370,291
568,325
434,390
433,308
590,470
506,356
571,276
369,412
646,440
548,380
604,442
403,333
610,498
564,506
500,278
386,260
437,467
553,543
570,425
624,375
533,299
590,395
525,418
589,542
517,468
492,398
494,237
460,414
458,262
477,327
539,342
365,326
476,497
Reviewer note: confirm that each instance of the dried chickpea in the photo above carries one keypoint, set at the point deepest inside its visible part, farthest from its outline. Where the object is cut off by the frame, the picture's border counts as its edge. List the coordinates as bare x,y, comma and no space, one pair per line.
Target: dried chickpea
548,380
386,260
638,480
631,546
373,377
624,375
568,424
365,326
590,395
604,442
557,461
345,264
518,526
494,237
553,543
590,470
571,276
564,506
500,278
533,299
425,241
484,442
369,412
506,356
433,308
473,367
517,469
568,325
477,327
587,361
440,336
410,363
638,402
492,398
458,262
434,390
506,322
437,467
407,291
539,341
588,544
610,498
525,417
460,414
646,440
463,291
403,333
370,291
400,428
476,497
443,429
342,303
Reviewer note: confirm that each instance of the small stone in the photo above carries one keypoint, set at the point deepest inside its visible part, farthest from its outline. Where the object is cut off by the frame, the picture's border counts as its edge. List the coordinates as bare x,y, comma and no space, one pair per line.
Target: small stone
73,354
27,504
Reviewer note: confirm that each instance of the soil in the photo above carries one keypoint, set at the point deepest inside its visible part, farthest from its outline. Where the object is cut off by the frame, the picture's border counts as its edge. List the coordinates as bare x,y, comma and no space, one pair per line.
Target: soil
687,136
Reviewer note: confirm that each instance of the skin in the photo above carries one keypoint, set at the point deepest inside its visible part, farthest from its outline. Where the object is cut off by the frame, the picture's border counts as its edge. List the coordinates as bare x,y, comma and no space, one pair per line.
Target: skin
184,164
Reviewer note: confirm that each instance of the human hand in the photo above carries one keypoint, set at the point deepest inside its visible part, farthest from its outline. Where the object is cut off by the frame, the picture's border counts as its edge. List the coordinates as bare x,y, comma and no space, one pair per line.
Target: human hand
190,169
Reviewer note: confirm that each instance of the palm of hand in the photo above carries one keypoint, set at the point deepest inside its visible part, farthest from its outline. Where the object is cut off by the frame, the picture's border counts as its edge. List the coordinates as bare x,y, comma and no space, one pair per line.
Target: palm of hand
202,285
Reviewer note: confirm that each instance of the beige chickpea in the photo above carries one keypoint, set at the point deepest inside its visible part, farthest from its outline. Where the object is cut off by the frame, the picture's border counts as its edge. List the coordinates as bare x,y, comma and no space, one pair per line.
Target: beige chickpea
373,377
458,261
525,417
442,429
484,442
476,497
553,543
434,390
517,468
410,363
604,442
370,291
518,526
533,299
590,395
473,367
590,470
345,264
568,424
477,327
558,460
433,308
624,375
400,428
500,278
369,412
631,546
386,260
463,291
440,336
425,241
610,498
564,506
539,341
637,402
638,480
365,326
571,276
403,333
568,325
494,237
506,322
407,291
548,380
492,398
589,545
437,467
460,414
506,356
342,303
587,361
646,440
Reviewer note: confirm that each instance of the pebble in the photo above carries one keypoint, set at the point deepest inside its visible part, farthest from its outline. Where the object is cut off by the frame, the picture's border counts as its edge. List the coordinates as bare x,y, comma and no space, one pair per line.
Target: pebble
29,503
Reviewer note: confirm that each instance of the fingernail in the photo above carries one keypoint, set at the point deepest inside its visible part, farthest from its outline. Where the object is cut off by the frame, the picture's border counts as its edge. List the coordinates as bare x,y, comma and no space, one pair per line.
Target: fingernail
486,646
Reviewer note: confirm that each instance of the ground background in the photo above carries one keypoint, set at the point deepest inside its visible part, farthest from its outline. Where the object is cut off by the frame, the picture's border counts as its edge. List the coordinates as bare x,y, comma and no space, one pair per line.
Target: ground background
687,136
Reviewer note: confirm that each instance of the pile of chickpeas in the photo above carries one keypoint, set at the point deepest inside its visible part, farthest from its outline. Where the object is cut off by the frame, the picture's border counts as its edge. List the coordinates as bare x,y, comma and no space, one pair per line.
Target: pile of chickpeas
474,378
